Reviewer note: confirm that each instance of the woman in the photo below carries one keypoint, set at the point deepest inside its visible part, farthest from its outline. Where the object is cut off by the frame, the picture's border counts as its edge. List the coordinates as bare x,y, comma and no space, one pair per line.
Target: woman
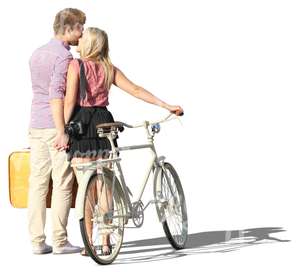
87,97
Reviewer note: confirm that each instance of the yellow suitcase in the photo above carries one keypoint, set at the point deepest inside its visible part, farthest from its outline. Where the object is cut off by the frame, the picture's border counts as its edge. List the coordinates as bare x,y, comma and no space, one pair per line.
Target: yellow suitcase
18,175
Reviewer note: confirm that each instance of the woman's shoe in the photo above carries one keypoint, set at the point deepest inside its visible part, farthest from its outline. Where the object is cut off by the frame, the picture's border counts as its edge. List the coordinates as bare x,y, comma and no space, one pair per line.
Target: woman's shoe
84,252
106,250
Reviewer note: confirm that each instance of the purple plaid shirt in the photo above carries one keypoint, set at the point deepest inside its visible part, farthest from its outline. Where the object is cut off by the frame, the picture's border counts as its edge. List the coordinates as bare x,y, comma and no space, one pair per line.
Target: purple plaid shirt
48,67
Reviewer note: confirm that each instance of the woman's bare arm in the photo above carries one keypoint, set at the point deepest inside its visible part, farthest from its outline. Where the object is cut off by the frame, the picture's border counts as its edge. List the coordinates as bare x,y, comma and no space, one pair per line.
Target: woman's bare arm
139,92
71,92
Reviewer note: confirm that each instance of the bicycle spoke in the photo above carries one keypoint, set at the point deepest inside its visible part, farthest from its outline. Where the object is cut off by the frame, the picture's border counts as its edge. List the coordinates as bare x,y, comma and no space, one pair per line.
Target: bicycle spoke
116,236
172,185
166,189
177,229
175,223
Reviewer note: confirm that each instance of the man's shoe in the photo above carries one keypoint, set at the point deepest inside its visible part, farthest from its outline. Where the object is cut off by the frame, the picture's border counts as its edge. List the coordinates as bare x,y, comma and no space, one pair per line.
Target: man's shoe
66,249
42,249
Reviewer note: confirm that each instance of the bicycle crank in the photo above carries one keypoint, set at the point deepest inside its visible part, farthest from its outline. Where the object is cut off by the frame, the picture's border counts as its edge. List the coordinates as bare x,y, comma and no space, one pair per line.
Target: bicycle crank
138,214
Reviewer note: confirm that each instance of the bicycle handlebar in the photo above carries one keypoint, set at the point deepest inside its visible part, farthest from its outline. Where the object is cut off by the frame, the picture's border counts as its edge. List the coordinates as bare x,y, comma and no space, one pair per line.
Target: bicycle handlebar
147,123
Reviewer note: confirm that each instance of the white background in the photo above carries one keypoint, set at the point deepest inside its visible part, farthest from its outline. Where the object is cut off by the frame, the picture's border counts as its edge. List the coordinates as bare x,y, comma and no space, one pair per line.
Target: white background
234,67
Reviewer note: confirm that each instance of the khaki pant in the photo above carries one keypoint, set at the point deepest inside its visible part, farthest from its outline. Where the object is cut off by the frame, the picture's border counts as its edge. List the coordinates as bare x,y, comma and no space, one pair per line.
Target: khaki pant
45,160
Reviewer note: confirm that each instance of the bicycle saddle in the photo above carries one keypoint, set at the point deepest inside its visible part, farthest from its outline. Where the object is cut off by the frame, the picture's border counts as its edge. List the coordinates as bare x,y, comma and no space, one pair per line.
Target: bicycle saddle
107,127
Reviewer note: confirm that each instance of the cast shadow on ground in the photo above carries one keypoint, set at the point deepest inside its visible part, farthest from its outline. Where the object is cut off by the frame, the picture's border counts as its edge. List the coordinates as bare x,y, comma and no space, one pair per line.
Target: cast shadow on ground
198,243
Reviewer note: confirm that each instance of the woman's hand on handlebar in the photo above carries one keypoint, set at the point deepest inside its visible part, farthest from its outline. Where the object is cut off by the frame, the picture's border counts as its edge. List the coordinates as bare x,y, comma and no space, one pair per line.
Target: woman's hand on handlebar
175,110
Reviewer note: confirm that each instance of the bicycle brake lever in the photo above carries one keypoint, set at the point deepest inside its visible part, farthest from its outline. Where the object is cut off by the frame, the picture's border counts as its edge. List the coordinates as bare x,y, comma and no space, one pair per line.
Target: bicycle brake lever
177,117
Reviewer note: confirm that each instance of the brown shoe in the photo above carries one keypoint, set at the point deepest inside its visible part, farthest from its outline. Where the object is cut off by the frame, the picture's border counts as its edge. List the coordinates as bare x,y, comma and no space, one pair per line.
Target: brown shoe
84,252
106,250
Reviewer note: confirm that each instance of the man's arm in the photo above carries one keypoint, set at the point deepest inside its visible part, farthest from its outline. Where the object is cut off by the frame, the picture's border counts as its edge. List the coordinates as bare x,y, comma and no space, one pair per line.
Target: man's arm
56,96
57,107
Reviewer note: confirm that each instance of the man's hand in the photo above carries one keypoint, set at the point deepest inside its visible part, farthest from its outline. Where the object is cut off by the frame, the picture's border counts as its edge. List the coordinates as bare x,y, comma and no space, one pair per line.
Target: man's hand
61,141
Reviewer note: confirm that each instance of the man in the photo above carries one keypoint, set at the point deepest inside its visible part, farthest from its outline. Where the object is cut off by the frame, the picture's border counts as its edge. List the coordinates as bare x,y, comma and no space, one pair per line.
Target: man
48,66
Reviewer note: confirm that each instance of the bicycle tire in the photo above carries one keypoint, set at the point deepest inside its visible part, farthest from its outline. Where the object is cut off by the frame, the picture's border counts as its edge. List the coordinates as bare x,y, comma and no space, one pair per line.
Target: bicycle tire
162,211
118,198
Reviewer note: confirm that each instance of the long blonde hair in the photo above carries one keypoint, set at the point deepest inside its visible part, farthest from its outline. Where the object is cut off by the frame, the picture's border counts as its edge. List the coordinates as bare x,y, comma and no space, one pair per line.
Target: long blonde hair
94,46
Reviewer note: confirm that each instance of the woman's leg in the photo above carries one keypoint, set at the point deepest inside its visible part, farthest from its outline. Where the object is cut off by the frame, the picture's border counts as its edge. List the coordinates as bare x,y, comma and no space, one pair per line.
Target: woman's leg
106,204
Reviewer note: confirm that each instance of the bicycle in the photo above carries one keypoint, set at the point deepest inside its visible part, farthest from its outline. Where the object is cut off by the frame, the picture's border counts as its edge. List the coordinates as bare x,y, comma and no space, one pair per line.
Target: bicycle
103,202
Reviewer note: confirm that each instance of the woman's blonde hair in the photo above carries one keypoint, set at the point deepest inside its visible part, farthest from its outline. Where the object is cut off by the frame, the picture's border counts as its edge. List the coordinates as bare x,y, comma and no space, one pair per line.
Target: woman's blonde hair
94,46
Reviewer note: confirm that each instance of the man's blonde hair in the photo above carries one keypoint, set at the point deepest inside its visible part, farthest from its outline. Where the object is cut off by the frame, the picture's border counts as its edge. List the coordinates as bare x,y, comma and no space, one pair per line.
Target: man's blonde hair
68,17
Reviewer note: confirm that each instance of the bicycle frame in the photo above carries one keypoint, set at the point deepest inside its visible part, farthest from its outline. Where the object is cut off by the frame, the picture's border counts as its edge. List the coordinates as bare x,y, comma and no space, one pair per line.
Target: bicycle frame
153,166
91,169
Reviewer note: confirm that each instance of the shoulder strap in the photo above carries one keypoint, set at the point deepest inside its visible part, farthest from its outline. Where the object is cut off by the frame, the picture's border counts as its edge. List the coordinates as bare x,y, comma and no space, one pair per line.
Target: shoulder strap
83,84
82,81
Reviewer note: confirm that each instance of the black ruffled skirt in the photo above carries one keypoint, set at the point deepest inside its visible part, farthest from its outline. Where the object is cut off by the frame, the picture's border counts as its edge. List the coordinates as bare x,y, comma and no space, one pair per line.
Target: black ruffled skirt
89,144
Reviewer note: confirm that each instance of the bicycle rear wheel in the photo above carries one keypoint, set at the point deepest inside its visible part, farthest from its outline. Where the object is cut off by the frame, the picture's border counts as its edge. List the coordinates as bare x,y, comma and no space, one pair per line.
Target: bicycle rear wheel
171,205
102,227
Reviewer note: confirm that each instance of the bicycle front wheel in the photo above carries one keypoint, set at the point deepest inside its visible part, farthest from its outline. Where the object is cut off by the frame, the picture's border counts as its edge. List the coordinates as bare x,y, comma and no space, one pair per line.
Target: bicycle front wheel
171,205
102,226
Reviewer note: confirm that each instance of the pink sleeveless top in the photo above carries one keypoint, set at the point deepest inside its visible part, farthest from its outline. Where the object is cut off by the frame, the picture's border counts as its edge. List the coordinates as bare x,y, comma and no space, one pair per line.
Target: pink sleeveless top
96,92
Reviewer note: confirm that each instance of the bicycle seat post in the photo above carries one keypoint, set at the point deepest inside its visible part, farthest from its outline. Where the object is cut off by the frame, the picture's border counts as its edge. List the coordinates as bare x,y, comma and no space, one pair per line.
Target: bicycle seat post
113,134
